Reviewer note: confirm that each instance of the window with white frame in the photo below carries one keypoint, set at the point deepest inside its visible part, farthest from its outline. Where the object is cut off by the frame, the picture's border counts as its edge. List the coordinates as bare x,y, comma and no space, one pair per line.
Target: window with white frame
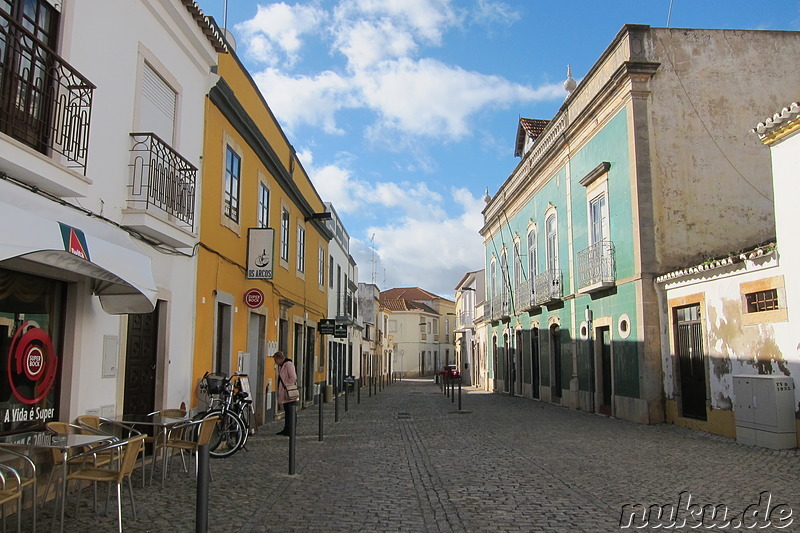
532,268
321,266
518,271
551,231
493,278
598,219
284,234
263,205
301,249
504,275
158,105
233,170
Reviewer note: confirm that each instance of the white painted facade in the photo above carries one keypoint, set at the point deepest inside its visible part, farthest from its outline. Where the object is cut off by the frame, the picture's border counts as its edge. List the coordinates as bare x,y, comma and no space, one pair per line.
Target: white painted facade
109,42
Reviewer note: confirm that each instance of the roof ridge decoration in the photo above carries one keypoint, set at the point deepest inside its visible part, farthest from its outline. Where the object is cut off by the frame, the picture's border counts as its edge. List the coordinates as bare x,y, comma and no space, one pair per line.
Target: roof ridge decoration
778,125
207,26
763,250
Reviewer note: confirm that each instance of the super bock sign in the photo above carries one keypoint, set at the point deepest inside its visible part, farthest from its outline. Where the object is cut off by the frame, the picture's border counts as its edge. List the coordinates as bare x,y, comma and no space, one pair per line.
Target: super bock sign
260,242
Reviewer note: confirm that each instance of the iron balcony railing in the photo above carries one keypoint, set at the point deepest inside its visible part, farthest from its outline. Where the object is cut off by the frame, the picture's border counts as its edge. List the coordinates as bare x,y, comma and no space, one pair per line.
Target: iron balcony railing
547,287
596,266
162,179
44,102
501,306
524,295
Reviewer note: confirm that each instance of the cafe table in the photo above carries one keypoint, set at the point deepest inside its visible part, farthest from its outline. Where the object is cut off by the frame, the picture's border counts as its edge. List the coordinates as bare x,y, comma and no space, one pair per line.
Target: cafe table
64,444
157,421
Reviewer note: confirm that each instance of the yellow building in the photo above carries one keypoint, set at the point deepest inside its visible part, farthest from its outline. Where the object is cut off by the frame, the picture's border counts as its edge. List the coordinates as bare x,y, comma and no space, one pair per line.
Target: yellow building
249,306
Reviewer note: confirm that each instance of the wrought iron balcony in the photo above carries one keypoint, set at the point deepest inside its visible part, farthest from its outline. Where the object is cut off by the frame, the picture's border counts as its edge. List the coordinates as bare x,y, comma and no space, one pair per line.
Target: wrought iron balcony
162,179
524,295
596,267
44,102
501,307
547,287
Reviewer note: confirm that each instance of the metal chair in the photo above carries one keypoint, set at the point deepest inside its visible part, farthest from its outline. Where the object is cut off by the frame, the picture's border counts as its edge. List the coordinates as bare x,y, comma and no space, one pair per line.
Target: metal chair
9,476
200,430
129,449
156,441
27,479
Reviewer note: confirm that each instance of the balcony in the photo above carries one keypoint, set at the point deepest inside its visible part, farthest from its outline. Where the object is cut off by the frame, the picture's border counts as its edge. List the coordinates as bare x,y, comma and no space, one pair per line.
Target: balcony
547,287
500,307
596,267
524,296
161,196
46,108
345,309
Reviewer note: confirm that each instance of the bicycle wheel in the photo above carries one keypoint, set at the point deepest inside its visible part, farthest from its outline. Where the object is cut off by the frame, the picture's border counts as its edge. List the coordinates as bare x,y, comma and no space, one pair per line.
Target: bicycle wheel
228,434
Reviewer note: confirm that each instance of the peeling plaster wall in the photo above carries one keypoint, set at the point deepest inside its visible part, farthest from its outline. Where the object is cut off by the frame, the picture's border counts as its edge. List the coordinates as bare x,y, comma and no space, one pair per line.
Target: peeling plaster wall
731,346
712,186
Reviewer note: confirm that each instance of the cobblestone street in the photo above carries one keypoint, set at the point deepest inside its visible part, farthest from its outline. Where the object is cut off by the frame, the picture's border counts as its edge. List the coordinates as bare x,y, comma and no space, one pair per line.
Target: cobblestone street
406,460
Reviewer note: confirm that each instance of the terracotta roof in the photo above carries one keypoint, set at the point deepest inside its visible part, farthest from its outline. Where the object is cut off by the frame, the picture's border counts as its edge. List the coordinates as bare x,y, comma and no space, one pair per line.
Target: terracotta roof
530,127
761,250
209,29
779,120
398,304
409,293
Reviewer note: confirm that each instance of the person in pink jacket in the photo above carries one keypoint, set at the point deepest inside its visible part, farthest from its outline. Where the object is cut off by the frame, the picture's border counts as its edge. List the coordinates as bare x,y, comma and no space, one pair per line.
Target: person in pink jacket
287,378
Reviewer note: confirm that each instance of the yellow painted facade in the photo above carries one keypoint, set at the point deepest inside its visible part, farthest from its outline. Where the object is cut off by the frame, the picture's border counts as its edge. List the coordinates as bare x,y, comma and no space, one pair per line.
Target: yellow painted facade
239,121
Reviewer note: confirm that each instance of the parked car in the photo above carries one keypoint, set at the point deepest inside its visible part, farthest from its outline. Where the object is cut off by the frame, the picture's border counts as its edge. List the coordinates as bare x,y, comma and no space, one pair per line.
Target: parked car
450,371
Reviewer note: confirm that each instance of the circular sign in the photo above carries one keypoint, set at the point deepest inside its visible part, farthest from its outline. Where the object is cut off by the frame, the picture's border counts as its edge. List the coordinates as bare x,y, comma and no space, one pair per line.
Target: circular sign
32,364
254,298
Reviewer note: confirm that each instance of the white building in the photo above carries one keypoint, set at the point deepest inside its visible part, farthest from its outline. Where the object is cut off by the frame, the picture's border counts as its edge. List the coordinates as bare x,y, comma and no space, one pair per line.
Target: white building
99,179
469,292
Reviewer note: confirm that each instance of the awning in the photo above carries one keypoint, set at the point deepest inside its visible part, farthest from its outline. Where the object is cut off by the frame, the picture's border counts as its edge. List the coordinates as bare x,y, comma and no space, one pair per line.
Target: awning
38,229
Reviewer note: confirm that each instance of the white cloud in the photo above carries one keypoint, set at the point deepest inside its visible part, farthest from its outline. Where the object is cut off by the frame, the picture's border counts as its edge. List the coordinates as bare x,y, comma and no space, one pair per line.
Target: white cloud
425,18
365,43
490,12
280,27
306,99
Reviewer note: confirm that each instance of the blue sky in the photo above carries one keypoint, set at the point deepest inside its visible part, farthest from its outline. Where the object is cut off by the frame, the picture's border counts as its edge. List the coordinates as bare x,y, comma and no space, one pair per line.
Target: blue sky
403,112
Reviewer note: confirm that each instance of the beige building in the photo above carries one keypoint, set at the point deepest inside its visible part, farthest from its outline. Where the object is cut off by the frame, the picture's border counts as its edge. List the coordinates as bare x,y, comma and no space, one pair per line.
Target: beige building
421,327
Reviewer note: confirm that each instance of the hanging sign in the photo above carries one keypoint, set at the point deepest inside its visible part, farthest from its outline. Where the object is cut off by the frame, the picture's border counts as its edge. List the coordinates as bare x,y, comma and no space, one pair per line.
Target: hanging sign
326,326
260,242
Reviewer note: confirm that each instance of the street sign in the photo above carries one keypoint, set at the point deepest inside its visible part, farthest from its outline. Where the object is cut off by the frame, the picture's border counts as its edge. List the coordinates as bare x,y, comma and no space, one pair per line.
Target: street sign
327,326
254,298
340,331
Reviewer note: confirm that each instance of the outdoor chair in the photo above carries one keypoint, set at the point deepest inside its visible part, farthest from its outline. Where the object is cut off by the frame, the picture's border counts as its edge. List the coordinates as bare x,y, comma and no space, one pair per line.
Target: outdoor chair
26,472
156,441
189,436
10,491
129,450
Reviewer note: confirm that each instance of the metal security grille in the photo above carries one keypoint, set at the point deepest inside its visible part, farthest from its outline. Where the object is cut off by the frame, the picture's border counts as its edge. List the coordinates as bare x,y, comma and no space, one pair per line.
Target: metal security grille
762,301
691,356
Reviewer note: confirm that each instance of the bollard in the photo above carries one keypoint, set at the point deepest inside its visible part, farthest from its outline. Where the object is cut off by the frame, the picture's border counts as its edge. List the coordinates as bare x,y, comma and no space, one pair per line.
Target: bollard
453,392
335,402
320,416
346,396
459,394
201,507
292,438
369,386
358,395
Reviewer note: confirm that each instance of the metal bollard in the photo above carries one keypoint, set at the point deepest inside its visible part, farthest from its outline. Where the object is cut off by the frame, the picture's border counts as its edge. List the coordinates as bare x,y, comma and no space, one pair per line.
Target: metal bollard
346,396
292,440
335,403
358,394
201,506
320,416
459,394
453,392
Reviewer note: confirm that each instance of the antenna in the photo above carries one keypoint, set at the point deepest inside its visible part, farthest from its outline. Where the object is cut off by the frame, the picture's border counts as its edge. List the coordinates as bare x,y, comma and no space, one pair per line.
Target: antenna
225,15
669,15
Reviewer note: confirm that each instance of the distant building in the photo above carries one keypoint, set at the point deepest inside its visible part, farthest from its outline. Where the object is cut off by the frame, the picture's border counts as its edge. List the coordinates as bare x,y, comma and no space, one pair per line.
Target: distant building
646,168
420,325
469,292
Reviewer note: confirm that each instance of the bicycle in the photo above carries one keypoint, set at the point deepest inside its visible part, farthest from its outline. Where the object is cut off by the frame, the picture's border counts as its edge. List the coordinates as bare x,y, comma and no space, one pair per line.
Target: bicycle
233,409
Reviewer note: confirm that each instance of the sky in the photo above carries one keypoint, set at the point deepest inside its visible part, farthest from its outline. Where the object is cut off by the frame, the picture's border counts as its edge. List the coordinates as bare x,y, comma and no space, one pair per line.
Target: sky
404,112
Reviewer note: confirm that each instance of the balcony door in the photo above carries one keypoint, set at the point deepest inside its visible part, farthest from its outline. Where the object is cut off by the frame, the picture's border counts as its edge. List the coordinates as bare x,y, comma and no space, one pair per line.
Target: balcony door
28,36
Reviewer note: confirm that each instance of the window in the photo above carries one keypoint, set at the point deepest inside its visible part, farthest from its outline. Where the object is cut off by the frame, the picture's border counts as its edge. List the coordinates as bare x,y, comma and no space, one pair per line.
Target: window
532,269
504,275
762,301
284,234
330,274
233,168
158,105
551,229
518,274
321,266
598,219
493,278
301,249
263,206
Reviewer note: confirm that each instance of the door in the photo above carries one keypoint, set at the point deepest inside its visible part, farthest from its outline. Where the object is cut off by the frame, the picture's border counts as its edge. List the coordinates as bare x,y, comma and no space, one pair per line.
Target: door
27,92
140,363
308,363
299,357
691,361
555,349
256,346
518,364
603,335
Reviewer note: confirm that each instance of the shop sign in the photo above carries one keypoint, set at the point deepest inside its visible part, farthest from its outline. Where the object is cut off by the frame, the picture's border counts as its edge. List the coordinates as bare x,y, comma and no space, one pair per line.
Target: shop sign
260,243
74,241
326,326
254,298
31,366
340,331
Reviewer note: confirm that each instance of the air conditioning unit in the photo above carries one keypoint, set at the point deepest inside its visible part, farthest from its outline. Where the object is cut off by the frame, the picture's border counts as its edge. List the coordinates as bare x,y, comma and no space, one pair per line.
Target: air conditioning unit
764,408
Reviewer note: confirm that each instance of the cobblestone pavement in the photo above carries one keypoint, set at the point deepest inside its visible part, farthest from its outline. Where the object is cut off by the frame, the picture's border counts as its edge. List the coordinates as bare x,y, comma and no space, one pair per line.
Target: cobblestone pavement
406,460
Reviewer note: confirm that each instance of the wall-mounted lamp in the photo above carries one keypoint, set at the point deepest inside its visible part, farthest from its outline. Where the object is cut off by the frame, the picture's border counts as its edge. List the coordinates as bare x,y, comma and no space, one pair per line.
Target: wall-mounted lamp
327,215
